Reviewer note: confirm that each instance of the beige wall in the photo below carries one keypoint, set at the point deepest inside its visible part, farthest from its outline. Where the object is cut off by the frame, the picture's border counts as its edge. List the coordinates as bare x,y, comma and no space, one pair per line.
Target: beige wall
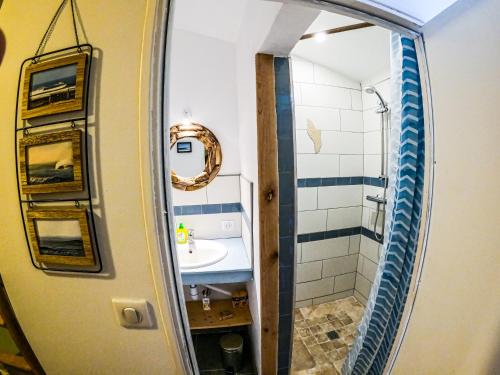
69,319
455,328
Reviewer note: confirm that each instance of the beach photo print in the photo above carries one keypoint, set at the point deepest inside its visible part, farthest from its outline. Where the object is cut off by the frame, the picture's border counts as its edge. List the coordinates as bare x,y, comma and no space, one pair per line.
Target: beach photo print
54,86
51,163
60,236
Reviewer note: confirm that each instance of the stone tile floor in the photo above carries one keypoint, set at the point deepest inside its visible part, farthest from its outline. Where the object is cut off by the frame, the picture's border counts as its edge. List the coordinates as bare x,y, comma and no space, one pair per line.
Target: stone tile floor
323,335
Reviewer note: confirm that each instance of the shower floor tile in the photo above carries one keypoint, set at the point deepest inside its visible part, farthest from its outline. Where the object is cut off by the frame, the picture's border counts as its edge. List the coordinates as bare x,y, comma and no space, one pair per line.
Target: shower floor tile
323,335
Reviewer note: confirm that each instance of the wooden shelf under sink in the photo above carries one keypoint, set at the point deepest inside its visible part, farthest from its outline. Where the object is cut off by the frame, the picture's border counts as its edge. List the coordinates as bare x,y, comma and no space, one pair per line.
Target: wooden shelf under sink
200,319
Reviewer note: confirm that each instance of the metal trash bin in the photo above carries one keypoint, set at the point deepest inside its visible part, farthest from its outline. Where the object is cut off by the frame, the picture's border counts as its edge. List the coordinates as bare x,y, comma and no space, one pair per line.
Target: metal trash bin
232,351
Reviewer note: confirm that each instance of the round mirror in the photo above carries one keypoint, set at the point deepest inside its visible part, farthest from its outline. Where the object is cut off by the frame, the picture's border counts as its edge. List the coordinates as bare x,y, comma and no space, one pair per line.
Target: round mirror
195,156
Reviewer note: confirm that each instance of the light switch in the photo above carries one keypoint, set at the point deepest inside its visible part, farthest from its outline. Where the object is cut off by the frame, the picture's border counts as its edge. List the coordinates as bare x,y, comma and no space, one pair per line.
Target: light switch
133,313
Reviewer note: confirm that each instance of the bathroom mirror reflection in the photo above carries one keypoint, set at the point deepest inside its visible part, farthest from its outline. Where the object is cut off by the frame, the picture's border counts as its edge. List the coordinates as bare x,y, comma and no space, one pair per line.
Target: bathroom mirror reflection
195,156
187,157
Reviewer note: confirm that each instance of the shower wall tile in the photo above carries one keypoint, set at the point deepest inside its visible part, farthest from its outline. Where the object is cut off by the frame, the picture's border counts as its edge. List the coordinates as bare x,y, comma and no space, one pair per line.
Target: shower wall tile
303,143
302,71
354,242
340,265
309,271
351,121
363,285
350,165
314,289
339,196
325,249
323,118
311,221
369,249
314,165
332,297
343,217
356,102
307,199
372,143
325,76
344,282
372,165
371,120
342,143
325,96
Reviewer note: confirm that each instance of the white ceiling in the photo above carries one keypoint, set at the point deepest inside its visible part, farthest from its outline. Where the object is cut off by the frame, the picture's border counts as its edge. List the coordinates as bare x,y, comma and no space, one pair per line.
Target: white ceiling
219,19
418,11
357,54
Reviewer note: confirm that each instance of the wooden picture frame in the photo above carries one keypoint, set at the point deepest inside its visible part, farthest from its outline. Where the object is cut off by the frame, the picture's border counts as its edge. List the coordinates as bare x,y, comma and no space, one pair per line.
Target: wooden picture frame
54,86
213,155
40,170
60,236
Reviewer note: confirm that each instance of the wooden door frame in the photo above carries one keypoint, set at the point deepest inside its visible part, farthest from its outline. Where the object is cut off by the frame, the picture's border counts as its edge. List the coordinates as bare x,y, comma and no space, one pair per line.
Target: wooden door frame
267,151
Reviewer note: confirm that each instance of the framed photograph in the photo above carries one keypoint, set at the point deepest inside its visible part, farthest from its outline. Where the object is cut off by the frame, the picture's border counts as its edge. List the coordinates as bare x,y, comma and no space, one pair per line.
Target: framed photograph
60,236
54,86
51,163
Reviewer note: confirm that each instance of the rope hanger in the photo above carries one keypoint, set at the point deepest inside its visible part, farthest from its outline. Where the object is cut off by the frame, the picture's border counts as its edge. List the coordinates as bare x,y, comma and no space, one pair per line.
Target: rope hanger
52,25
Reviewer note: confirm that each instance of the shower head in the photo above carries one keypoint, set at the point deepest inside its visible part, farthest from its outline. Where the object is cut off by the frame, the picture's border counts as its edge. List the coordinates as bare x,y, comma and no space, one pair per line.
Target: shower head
373,90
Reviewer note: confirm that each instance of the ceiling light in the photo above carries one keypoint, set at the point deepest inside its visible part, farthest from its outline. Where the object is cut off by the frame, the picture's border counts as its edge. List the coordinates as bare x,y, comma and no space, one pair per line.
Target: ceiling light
320,37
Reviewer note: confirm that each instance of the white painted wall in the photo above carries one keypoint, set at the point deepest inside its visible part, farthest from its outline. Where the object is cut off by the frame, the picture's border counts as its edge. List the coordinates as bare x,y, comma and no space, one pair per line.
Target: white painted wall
69,320
456,320
259,17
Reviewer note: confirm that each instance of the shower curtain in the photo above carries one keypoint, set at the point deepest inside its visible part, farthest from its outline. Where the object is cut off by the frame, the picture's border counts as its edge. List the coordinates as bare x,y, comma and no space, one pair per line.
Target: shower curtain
384,309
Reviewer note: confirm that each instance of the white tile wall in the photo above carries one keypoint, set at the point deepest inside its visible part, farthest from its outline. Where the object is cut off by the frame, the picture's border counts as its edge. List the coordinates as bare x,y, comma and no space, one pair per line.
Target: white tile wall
357,103
339,218
340,265
332,297
372,142
363,285
351,121
359,297
350,165
298,250
339,196
325,249
342,143
307,199
325,96
325,76
314,289
345,282
184,198
317,165
303,143
323,118
224,189
371,165
311,221
210,226
354,242
369,249
302,70
309,271
371,120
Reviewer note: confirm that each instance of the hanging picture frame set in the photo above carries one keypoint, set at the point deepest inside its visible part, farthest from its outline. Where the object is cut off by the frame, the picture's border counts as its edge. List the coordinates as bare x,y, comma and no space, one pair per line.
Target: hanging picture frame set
51,163
54,86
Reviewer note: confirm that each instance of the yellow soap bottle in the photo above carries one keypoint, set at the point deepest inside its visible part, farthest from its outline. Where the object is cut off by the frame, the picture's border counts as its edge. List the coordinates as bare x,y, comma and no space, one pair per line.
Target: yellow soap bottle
181,235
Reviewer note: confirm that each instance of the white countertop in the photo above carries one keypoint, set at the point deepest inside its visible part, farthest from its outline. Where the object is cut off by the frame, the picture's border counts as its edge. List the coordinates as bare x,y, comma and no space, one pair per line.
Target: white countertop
235,267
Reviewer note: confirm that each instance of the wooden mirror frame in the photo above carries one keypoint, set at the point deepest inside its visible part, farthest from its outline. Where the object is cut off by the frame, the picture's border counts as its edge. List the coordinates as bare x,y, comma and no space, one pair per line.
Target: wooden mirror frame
213,155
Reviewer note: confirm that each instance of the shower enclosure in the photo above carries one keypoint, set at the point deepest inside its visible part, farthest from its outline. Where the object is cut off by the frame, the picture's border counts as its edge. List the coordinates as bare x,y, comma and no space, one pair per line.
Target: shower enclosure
342,140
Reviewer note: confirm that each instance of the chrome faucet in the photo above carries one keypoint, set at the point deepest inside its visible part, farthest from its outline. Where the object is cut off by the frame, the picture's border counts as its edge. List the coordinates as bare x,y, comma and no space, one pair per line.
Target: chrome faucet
192,244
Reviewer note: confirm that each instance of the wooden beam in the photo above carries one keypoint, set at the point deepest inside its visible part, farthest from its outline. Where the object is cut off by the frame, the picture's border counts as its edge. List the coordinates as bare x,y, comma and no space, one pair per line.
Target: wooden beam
337,30
267,149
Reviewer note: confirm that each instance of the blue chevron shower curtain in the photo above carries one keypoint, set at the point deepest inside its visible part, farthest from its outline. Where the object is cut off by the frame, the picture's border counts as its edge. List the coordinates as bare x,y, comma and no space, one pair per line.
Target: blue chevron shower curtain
384,309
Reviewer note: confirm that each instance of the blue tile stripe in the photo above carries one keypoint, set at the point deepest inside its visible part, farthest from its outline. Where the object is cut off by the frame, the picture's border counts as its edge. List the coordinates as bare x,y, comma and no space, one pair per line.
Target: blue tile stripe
207,209
341,181
286,170
317,236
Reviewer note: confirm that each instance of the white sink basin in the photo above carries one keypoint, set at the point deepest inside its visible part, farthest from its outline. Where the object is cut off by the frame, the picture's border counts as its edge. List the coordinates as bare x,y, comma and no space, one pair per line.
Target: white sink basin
205,252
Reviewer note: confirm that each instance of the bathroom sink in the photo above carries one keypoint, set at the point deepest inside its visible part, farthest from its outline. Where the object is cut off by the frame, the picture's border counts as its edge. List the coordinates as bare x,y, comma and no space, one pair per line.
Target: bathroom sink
204,253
